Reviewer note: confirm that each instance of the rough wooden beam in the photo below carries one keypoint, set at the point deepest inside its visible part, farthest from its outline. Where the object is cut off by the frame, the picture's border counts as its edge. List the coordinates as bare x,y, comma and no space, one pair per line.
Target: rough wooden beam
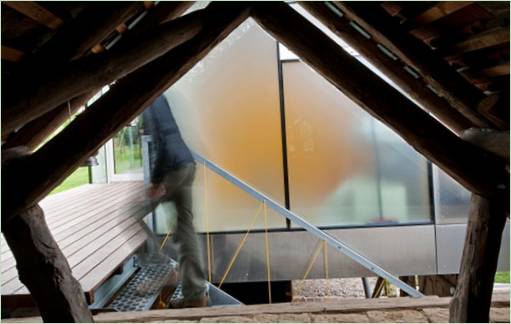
94,71
439,11
42,267
471,302
496,142
459,92
90,27
156,15
391,67
125,100
11,54
37,131
495,71
496,108
122,28
36,12
171,10
479,41
469,165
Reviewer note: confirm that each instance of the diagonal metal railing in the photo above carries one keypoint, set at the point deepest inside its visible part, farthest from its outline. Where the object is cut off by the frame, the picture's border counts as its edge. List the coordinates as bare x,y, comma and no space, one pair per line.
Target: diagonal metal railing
314,230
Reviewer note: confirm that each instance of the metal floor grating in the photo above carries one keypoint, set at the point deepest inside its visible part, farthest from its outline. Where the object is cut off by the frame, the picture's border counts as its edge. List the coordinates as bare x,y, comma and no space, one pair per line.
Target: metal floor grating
143,289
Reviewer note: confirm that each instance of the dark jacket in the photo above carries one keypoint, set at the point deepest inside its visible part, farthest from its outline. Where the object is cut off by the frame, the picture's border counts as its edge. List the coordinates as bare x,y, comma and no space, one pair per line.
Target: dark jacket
169,150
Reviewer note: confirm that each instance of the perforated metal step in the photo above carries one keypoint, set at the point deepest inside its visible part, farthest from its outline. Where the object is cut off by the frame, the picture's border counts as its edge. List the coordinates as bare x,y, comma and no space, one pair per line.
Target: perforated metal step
143,289
217,297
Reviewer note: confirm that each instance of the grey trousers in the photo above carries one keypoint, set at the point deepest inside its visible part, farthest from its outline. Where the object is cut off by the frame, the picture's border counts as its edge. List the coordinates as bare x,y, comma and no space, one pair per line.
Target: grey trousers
178,187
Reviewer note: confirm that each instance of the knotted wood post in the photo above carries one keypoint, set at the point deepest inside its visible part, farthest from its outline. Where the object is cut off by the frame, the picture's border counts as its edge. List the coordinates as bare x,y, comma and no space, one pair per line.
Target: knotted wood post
42,267
472,299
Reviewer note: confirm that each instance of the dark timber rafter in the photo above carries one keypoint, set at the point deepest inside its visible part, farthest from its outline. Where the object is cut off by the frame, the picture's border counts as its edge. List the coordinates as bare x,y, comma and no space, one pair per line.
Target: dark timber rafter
35,132
459,92
473,168
90,27
88,73
160,13
393,69
125,100
72,40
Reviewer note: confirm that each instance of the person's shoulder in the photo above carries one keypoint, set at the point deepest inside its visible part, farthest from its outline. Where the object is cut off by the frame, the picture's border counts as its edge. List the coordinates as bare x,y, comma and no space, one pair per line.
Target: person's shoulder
161,100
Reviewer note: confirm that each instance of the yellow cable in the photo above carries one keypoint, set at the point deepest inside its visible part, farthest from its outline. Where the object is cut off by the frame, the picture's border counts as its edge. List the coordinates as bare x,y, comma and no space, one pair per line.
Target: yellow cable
242,242
165,240
325,258
316,253
206,218
267,248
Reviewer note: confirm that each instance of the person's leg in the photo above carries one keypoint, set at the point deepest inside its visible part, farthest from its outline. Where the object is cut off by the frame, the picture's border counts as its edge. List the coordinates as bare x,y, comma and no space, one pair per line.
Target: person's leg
193,278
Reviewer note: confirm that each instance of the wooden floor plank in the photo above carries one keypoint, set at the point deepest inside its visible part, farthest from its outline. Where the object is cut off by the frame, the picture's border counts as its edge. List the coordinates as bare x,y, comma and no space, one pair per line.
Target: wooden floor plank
100,251
90,236
111,213
90,282
52,218
85,201
74,221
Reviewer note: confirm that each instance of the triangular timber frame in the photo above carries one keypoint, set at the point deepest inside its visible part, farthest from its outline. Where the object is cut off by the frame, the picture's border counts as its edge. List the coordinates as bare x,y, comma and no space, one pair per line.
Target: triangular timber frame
36,174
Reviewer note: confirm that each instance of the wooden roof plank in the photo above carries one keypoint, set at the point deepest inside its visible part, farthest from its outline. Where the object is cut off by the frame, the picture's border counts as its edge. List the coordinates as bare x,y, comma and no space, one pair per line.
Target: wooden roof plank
461,94
495,71
393,69
439,11
483,40
36,12
11,54
91,72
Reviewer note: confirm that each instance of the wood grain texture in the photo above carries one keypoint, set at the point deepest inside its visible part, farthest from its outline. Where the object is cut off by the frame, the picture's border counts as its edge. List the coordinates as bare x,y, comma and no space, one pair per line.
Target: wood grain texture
459,92
95,237
92,72
36,12
415,88
472,300
56,292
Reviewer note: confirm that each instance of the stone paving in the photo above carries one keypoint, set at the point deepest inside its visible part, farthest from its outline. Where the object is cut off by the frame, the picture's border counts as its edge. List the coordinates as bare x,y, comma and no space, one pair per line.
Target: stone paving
427,315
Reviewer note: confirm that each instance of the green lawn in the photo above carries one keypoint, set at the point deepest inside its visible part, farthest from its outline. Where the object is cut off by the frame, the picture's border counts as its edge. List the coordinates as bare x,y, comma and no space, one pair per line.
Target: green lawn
502,277
77,178
127,159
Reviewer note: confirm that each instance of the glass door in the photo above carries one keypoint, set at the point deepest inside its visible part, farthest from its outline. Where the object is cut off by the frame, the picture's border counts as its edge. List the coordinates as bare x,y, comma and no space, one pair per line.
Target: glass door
124,152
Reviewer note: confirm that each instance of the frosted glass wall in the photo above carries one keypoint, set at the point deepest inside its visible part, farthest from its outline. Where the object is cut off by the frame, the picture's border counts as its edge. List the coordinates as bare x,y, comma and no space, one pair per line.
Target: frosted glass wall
452,200
345,168
227,108
404,178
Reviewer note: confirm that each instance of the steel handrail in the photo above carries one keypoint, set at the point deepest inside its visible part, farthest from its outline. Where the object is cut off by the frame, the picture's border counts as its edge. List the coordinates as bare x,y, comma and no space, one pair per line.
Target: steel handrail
332,241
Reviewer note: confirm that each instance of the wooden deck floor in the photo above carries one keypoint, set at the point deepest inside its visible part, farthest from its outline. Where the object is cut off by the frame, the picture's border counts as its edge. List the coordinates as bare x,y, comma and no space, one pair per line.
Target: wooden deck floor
93,228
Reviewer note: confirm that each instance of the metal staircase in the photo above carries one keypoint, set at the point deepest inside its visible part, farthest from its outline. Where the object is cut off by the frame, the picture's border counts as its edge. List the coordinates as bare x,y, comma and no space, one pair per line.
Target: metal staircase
314,230
144,288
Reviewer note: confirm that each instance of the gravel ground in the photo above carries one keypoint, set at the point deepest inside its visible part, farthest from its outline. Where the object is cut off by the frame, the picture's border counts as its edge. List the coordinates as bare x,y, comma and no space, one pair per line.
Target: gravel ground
346,287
